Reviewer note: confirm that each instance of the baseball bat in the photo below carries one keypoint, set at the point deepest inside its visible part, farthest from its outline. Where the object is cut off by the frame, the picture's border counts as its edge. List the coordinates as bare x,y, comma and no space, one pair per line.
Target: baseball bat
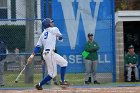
16,81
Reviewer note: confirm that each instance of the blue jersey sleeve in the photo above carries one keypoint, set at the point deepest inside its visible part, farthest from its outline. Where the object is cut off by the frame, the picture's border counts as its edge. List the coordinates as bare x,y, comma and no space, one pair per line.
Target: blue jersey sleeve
36,49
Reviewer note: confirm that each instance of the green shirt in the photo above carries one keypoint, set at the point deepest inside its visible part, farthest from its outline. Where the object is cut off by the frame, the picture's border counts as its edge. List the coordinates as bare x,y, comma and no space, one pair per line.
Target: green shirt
92,48
131,58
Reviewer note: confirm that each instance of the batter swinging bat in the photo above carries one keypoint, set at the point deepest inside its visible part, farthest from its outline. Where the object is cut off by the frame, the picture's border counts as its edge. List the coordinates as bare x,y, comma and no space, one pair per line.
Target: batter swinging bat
16,81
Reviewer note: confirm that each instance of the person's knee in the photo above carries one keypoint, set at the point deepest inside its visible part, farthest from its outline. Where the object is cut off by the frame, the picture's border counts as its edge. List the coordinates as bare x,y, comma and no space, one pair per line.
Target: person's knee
135,68
55,78
88,70
129,69
52,75
65,64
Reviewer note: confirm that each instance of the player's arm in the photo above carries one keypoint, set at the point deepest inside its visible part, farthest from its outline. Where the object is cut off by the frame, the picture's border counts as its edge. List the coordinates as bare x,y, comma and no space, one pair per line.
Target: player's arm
95,48
135,62
58,34
36,50
88,48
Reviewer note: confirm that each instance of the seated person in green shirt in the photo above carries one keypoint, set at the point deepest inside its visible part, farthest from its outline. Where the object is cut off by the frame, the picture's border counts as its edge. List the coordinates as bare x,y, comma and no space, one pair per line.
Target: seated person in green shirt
131,62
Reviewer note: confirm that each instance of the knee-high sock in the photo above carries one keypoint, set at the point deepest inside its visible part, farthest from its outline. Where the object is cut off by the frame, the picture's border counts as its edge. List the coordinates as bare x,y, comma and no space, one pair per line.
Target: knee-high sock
46,79
63,71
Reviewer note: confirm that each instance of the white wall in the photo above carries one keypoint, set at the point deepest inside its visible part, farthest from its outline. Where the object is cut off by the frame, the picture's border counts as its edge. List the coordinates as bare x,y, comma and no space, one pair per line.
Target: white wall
20,13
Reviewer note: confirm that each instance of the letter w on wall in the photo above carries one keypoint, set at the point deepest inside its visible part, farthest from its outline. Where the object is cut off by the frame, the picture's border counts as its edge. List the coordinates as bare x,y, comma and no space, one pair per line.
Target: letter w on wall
72,20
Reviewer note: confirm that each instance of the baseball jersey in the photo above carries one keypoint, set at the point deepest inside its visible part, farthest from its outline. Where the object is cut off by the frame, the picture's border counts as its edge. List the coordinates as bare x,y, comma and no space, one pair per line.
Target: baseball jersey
131,58
48,38
92,48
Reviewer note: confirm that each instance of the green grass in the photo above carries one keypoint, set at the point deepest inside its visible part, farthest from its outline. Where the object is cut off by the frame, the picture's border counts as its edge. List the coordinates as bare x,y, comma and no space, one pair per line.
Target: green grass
75,79
9,78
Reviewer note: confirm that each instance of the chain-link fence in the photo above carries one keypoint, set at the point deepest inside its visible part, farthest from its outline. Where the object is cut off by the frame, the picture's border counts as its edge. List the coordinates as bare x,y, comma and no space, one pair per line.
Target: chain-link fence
14,64
13,34
20,28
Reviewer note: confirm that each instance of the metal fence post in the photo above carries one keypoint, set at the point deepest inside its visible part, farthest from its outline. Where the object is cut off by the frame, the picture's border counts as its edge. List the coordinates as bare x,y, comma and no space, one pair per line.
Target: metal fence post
29,37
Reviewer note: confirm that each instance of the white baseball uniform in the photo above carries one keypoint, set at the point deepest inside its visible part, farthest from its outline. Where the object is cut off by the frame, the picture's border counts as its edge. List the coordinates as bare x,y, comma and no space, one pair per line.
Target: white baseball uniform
48,40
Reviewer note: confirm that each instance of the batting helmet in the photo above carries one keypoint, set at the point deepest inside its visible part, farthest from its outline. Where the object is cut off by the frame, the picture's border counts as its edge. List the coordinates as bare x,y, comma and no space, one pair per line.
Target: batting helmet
46,22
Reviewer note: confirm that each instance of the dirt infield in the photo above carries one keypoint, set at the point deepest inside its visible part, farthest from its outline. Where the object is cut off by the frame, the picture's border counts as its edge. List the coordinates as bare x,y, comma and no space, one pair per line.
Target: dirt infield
79,90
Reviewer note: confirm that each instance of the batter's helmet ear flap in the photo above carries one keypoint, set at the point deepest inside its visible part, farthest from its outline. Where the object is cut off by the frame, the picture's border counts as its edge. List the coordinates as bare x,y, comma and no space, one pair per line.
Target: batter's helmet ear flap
46,23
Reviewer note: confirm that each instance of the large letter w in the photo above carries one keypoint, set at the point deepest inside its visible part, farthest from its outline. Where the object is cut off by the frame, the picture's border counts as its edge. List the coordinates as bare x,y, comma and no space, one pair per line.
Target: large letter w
85,12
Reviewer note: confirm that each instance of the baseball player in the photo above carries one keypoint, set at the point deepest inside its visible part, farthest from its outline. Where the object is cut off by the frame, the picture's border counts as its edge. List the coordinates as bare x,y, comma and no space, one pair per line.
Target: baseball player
48,41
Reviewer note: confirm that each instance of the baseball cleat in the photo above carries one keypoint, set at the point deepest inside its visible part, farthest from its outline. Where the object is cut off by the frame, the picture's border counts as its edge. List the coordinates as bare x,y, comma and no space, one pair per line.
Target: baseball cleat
38,87
56,83
86,83
96,82
65,83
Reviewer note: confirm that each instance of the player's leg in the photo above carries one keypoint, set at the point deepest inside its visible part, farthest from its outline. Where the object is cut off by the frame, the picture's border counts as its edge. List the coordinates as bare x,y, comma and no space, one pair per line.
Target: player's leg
44,71
63,64
129,69
136,73
46,79
94,68
52,70
55,80
90,79
88,65
1,74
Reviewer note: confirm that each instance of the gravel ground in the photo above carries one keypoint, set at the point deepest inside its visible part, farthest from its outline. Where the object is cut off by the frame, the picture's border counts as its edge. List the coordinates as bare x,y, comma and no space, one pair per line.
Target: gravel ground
79,90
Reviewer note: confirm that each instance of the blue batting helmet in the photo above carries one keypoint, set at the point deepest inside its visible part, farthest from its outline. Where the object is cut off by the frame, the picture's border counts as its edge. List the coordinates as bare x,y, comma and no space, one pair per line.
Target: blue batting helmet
46,22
